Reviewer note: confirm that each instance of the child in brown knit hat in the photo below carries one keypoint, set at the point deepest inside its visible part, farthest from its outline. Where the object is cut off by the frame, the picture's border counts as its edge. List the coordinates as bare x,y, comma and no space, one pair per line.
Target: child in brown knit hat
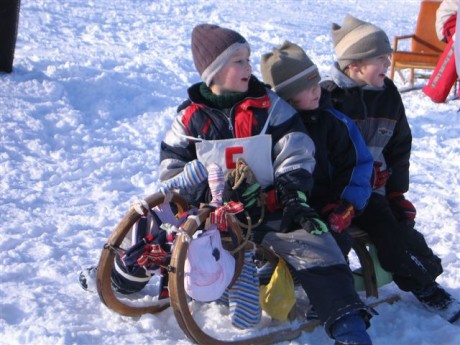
359,88
342,157
231,103
231,115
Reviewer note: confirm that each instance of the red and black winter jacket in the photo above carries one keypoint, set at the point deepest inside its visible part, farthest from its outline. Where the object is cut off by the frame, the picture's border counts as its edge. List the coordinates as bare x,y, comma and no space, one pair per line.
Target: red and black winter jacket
292,148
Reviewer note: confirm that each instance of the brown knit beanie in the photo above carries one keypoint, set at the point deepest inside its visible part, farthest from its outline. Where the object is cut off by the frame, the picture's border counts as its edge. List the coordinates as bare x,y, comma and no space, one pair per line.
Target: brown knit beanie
358,40
212,46
288,70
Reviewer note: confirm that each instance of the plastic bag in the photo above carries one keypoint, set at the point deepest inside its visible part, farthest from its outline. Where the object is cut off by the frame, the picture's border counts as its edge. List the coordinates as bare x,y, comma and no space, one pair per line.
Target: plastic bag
278,297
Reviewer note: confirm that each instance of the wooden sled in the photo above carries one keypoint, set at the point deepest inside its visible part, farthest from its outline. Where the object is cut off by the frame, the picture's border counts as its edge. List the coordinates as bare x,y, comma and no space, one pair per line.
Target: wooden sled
106,262
179,299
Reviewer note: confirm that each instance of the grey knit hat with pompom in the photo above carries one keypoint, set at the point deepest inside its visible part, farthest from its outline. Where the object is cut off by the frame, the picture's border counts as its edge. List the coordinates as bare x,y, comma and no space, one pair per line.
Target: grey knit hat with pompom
358,40
288,70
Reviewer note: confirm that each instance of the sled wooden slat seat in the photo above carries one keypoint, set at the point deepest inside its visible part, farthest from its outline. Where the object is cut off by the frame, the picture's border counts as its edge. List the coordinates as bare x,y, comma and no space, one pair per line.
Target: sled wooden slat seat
360,241
425,47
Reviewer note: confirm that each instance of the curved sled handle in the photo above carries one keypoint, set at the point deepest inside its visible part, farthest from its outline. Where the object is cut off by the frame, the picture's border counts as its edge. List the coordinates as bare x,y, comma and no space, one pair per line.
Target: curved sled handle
106,260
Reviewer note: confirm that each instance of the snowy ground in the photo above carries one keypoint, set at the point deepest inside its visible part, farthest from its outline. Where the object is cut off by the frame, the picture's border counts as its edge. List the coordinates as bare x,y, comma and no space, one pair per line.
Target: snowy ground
94,88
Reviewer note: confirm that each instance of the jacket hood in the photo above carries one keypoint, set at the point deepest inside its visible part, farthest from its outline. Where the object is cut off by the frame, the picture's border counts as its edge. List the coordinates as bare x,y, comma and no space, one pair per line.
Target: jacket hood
336,76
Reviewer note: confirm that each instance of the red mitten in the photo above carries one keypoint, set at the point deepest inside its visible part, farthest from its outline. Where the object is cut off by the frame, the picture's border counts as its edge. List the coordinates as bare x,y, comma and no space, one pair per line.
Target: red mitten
339,215
153,254
379,177
401,207
219,215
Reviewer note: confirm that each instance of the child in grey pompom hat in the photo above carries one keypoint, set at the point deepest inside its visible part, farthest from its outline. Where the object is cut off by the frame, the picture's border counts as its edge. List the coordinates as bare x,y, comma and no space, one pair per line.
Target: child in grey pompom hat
358,40
212,46
337,193
288,70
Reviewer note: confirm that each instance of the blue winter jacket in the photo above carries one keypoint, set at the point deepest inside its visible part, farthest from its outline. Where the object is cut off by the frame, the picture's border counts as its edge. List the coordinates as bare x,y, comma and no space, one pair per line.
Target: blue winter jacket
344,165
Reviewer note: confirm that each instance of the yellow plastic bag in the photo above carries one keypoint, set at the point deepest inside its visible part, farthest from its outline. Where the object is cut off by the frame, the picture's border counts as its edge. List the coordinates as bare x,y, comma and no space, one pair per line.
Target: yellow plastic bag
278,297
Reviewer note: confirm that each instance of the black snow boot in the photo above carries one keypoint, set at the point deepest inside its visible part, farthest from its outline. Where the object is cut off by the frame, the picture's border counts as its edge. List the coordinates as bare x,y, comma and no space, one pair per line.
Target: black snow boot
439,301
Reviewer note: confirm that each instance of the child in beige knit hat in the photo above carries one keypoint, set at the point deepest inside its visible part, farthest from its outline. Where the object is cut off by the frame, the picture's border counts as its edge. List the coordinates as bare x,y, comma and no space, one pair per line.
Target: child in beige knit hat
360,89
362,49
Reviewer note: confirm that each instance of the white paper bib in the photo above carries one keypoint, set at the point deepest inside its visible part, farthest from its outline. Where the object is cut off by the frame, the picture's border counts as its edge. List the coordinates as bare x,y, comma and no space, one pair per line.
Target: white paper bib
256,151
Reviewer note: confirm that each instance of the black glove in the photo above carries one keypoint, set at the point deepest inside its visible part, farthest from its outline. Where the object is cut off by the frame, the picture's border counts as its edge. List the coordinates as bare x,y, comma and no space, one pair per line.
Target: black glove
246,193
297,214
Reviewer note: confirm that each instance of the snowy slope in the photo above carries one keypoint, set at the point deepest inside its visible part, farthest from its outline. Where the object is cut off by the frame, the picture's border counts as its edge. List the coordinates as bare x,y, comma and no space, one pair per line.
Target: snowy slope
94,89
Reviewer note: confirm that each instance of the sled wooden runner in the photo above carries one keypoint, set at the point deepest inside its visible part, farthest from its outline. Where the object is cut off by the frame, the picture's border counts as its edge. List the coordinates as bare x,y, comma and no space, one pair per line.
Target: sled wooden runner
180,301
106,261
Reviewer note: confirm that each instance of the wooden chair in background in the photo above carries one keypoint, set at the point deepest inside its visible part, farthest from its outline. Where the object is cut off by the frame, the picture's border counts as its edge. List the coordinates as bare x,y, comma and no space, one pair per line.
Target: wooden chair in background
425,47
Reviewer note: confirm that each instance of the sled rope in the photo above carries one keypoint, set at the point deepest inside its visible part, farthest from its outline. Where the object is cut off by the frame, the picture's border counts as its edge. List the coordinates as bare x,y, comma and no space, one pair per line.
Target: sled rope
246,238
241,173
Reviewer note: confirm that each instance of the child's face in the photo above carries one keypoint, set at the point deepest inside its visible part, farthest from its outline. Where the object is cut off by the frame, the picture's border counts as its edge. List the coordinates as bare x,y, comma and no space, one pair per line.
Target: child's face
307,99
370,71
234,76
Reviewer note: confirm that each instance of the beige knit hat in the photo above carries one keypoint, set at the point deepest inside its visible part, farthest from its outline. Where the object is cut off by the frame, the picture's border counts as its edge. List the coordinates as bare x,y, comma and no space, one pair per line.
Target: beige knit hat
212,47
288,70
358,40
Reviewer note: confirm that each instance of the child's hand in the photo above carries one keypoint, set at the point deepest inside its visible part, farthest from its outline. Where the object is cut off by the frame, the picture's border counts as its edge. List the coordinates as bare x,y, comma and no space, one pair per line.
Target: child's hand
339,215
298,214
401,207
379,177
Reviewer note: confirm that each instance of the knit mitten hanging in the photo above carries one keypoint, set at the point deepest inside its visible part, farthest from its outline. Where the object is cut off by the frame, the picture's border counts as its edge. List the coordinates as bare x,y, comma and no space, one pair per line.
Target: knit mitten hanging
216,180
245,310
193,174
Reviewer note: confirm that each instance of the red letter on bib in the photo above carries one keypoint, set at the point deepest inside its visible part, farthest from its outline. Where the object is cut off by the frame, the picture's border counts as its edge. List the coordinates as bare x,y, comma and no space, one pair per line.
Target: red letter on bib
229,153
